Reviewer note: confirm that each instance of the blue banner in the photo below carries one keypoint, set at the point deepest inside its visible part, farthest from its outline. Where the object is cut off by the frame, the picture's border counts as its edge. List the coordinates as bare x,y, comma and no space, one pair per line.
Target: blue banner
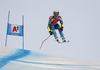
16,30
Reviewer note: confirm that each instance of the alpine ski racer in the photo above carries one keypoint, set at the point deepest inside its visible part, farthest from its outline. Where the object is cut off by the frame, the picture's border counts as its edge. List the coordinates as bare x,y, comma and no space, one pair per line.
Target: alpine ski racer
53,25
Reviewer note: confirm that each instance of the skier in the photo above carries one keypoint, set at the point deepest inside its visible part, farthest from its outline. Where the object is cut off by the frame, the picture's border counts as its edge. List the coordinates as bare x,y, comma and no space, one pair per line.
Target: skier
52,25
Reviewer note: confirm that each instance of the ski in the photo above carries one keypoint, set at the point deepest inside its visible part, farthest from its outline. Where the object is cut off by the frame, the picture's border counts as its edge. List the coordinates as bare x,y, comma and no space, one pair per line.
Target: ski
65,42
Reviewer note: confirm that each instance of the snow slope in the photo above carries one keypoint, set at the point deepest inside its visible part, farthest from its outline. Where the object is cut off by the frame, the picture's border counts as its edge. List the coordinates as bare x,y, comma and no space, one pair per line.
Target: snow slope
19,59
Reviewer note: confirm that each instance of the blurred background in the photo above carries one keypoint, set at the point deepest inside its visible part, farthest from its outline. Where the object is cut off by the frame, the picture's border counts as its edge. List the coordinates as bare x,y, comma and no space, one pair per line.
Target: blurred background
81,26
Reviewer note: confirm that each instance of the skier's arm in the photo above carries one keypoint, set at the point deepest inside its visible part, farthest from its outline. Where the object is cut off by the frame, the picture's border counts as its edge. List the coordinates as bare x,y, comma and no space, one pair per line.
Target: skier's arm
61,21
49,23
62,24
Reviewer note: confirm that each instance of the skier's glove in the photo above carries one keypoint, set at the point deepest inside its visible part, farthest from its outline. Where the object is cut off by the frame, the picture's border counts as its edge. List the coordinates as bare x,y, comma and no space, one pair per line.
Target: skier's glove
51,33
61,29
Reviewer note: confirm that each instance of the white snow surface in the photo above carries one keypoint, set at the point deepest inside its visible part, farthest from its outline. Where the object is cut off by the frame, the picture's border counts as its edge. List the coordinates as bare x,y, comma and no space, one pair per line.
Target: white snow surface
19,59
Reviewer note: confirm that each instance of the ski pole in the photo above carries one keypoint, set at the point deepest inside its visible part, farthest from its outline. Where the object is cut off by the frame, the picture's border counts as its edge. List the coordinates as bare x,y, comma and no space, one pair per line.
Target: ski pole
44,41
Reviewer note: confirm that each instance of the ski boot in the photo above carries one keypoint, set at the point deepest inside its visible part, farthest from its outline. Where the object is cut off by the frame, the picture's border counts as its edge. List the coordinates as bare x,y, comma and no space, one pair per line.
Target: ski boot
56,38
63,39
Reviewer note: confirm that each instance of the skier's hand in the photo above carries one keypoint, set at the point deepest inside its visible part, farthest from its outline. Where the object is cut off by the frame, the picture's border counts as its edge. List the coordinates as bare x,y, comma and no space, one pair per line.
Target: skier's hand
51,33
61,29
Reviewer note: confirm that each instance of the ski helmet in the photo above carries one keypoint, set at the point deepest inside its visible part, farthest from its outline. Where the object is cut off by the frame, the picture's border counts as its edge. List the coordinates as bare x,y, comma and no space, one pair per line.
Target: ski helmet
56,13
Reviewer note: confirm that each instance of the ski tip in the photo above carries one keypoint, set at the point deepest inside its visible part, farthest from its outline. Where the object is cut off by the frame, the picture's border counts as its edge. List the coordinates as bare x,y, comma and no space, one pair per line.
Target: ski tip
68,41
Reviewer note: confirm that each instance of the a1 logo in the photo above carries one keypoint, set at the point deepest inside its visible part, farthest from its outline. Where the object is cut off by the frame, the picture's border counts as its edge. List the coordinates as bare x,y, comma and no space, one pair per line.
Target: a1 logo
15,29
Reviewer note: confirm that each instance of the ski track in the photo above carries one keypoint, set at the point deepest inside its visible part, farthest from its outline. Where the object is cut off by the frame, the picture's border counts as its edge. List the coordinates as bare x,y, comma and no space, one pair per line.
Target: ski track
20,55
